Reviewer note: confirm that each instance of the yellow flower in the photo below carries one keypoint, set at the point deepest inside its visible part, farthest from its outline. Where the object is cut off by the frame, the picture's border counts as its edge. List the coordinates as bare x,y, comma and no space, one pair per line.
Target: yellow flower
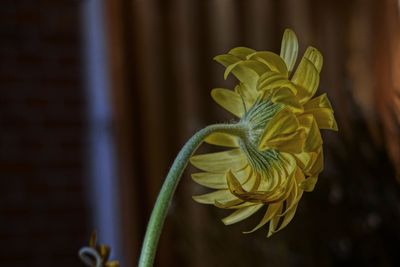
280,156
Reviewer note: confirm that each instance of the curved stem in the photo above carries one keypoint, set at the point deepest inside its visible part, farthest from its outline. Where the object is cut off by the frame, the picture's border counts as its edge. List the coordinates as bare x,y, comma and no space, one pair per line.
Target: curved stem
167,191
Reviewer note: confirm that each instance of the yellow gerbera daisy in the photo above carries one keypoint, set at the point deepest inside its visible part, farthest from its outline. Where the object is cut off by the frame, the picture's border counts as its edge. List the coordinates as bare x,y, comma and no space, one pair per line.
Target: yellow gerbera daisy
280,154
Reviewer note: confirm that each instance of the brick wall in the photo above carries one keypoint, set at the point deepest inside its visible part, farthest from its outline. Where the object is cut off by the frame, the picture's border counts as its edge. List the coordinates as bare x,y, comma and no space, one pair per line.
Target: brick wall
43,211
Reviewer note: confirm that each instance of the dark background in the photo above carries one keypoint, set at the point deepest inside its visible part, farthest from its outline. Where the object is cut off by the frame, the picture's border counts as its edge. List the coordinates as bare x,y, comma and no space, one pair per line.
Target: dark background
160,72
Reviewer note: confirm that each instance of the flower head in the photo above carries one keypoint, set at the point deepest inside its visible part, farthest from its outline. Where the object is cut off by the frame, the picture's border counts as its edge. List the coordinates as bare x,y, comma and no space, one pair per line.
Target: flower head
280,155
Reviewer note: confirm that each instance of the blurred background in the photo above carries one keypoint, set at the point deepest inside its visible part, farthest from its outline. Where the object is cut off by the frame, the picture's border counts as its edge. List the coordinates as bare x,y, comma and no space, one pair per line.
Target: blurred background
98,96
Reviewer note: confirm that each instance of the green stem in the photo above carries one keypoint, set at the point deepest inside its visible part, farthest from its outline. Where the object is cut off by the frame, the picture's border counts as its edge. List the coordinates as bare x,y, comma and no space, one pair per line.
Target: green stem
167,191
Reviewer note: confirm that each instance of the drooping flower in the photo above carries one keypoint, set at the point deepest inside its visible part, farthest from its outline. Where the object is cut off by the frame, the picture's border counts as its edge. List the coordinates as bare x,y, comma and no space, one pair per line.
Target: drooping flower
281,155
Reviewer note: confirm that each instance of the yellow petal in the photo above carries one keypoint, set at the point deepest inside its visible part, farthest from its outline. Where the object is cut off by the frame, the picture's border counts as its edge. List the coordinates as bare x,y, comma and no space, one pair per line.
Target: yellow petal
254,65
308,184
246,73
279,183
222,139
234,185
290,163
286,220
289,48
210,180
321,101
299,176
229,69
221,196
272,210
265,197
251,183
306,77
220,162
236,204
218,180
287,97
293,198
227,60
272,61
311,163
314,140
247,178
271,180
271,80
242,52
229,100
324,118
274,222
315,57
292,143
303,159
241,214
318,164
249,94
285,122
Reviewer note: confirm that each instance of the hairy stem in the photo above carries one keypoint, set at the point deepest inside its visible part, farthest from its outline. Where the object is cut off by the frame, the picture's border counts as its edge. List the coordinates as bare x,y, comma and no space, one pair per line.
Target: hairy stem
157,218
